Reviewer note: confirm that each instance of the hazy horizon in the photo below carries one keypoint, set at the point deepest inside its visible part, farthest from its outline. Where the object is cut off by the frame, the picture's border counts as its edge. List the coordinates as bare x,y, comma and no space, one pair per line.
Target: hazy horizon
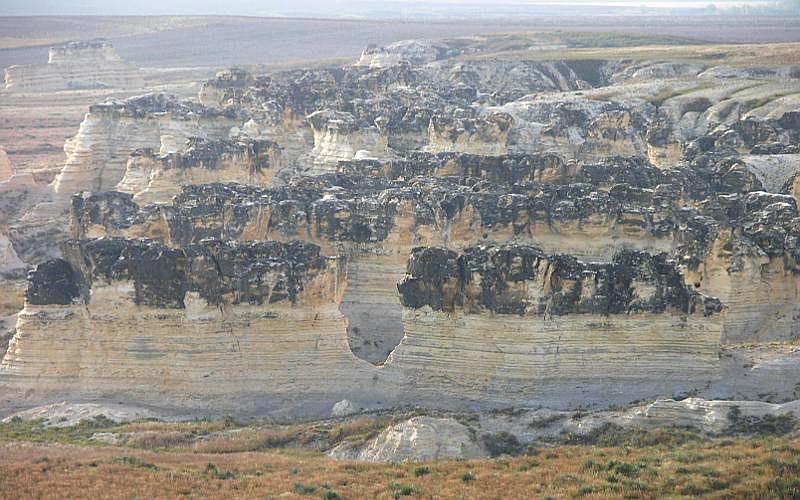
372,9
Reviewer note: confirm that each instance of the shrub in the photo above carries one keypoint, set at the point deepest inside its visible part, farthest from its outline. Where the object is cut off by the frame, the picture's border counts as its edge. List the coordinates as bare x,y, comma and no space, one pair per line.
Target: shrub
331,495
133,462
782,468
213,470
622,468
502,443
766,425
589,489
229,421
784,488
468,476
609,435
403,490
421,471
304,489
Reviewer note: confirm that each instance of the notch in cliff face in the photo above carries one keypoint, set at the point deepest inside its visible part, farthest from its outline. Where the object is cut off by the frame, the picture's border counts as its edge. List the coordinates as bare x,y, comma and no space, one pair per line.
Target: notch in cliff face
372,308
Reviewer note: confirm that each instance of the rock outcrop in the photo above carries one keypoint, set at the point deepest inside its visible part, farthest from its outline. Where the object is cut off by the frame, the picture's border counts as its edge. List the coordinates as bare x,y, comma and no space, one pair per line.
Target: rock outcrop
417,439
256,308
9,260
424,229
157,178
111,131
537,323
76,65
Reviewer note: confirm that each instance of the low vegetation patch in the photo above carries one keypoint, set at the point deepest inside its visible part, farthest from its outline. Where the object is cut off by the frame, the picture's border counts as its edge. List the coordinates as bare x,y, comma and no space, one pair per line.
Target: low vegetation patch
502,443
766,425
616,463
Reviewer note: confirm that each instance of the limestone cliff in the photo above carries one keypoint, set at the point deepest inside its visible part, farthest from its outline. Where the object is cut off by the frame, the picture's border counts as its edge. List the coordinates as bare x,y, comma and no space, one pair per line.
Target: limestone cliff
428,226
97,155
106,322
157,178
528,324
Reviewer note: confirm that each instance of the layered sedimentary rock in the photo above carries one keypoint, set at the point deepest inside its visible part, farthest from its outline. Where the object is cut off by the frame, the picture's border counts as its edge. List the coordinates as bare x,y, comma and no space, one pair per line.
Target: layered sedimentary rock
9,260
98,154
245,314
485,233
539,323
75,65
157,178
337,137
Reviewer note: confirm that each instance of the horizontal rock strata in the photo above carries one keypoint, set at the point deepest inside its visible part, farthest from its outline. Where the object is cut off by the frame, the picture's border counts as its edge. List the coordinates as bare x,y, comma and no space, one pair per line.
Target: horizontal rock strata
426,226
97,155
76,65
157,178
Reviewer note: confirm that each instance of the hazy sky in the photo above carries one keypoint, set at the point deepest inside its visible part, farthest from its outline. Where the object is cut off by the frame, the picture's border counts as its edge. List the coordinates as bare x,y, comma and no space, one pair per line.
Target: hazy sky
335,8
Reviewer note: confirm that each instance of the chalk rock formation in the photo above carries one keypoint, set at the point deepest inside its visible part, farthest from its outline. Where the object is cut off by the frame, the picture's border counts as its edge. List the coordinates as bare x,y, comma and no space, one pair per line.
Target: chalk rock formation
157,178
417,439
533,322
257,308
76,65
97,155
579,232
9,261
406,51
712,417
337,137
71,414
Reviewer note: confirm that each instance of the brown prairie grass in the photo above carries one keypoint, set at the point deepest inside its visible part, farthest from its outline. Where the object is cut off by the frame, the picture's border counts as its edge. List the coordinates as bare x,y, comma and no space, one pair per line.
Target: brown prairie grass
767,54
724,467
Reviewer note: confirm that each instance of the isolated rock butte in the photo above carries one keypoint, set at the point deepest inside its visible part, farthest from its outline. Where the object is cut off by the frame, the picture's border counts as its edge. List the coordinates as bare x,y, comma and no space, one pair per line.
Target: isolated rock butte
75,65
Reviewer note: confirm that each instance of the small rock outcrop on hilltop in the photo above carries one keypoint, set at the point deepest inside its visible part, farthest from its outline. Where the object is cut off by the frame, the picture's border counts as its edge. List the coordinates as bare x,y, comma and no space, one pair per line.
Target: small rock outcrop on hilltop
420,228
76,65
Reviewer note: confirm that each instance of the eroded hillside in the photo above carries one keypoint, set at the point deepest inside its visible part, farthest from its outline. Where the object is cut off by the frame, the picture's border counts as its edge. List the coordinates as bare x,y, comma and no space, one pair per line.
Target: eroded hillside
451,224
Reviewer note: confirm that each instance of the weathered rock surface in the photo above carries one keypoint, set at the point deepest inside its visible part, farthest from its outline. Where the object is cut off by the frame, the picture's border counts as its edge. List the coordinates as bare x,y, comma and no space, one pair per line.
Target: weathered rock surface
417,439
9,260
427,226
157,178
66,414
97,155
76,65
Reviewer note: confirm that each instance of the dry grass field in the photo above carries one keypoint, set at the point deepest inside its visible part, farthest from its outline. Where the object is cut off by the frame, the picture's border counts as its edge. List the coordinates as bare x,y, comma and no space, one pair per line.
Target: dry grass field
223,459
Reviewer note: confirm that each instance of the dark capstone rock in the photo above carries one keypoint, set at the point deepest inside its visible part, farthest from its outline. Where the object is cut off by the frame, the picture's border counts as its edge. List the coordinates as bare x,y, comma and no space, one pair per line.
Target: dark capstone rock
157,103
790,120
433,279
201,153
253,273
775,148
496,278
733,176
108,209
52,282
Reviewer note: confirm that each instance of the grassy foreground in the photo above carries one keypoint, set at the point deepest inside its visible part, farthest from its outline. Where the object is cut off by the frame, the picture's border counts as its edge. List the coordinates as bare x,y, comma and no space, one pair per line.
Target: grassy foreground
225,459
